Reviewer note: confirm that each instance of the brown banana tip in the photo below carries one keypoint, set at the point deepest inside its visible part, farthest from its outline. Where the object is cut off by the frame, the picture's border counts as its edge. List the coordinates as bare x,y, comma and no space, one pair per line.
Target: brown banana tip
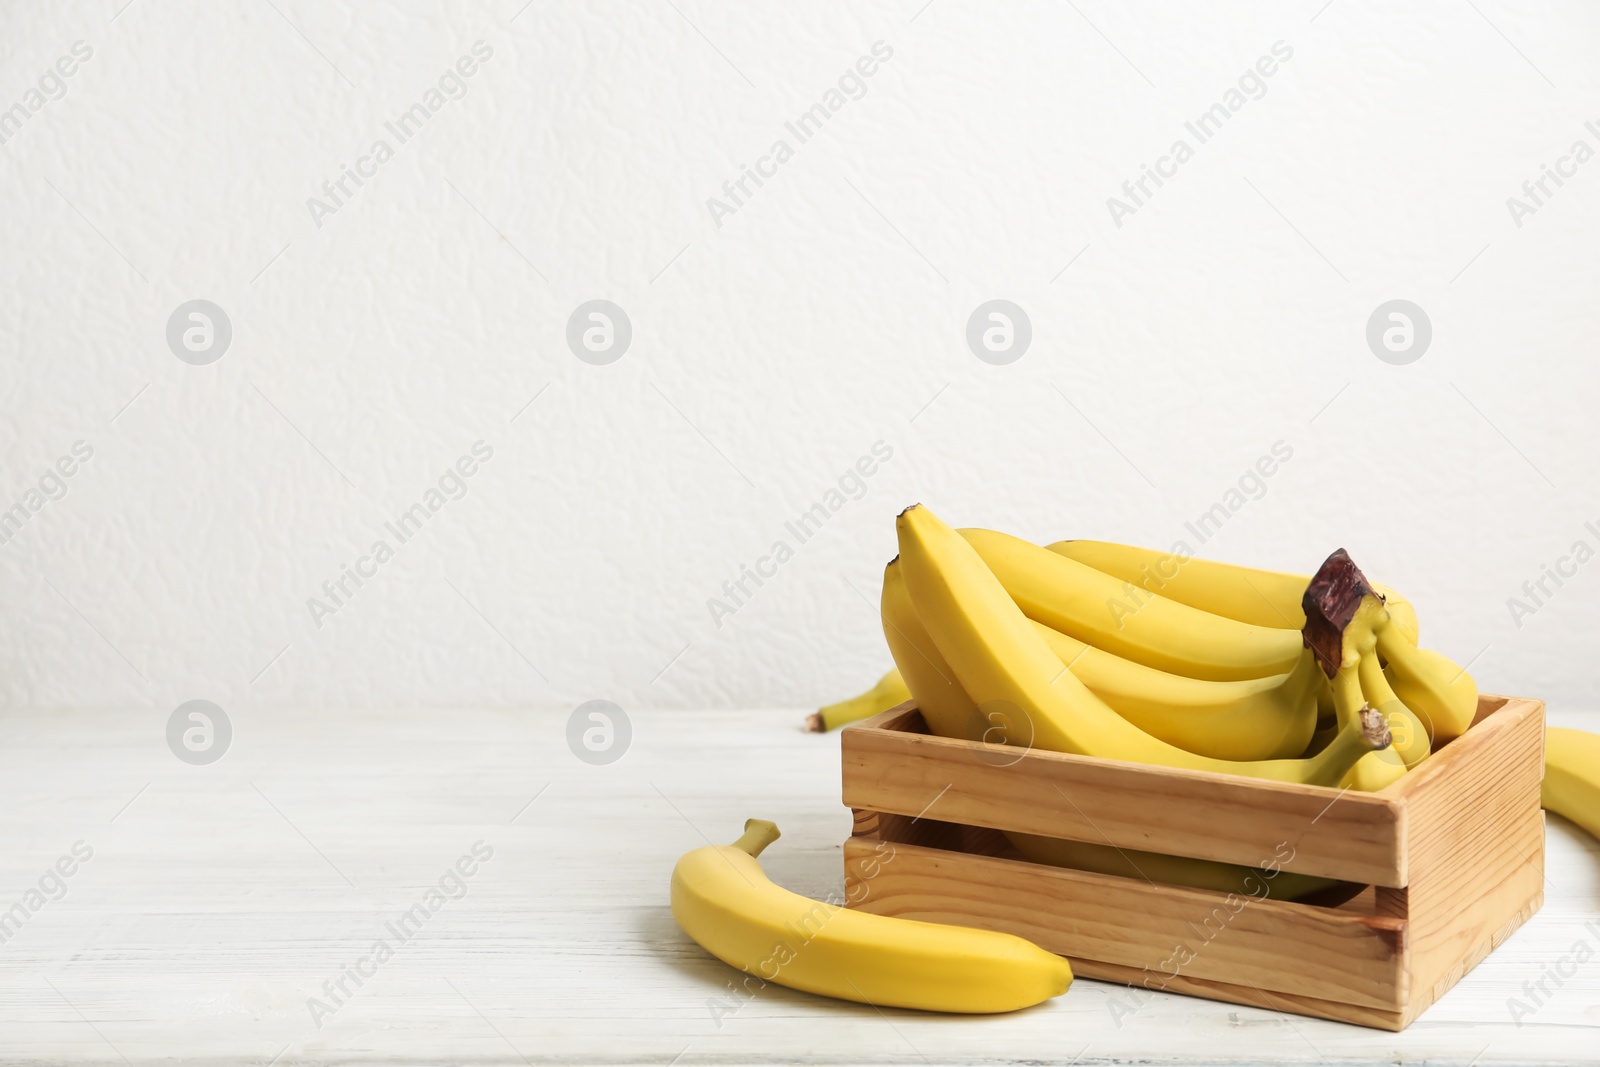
814,723
908,507
1375,729
1330,602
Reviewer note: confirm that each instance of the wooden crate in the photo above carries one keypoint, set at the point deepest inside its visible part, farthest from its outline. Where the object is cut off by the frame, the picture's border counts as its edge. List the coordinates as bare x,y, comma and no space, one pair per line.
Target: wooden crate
1442,866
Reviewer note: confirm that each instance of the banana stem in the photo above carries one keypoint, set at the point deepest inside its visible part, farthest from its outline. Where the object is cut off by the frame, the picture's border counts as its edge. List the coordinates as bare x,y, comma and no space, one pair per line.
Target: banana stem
830,718
1370,734
1347,698
758,834
884,694
1413,744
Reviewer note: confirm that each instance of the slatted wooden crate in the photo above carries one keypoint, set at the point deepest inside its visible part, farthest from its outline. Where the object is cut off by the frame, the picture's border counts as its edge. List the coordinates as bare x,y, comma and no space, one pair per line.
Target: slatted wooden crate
1441,867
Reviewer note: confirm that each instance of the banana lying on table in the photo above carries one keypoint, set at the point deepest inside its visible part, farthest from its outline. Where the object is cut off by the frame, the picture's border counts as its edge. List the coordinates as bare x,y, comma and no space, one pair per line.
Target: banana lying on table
885,694
723,899
1572,776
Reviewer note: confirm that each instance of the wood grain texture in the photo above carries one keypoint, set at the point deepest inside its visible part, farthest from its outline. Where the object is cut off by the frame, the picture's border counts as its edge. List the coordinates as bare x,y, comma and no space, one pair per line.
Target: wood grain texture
212,910
892,765
1157,930
1477,838
1253,996
1467,838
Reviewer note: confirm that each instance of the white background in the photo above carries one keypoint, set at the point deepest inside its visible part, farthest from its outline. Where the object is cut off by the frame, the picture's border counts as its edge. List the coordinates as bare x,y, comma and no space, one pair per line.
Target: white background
771,352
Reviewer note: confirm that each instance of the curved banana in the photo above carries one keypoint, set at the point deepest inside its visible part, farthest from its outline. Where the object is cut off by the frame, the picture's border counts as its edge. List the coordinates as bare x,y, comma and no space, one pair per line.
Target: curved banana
1121,618
1375,770
1258,718
1572,776
944,705
723,899
1443,695
1246,594
1411,740
1264,718
889,691
950,712
1325,733
1009,670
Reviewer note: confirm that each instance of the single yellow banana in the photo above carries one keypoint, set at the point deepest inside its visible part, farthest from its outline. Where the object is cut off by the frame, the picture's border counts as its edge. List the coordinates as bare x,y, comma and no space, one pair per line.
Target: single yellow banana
950,712
1443,695
1375,770
1411,741
1011,673
723,899
1257,718
1572,776
1319,740
1133,623
1247,594
889,691
945,706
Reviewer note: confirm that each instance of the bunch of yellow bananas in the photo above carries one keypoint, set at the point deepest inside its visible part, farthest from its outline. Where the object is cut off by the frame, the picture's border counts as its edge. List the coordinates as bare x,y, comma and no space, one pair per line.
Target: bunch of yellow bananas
1118,652
1208,658
1130,654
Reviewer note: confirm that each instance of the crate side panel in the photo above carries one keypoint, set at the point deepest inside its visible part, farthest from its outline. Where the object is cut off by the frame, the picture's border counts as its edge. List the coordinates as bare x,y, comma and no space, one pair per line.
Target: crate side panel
1498,718
1354,837
1295,949
1477,852
1248,995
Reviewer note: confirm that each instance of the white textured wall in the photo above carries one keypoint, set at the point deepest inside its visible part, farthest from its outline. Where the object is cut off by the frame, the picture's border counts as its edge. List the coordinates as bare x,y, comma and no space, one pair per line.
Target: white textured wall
772,351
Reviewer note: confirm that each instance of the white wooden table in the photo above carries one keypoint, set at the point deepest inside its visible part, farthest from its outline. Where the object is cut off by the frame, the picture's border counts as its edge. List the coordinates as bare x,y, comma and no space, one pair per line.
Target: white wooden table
220,898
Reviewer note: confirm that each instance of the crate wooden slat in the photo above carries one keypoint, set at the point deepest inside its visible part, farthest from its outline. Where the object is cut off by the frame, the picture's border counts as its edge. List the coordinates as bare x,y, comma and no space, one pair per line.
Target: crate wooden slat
890,768
1134,924
1477,844
1453,854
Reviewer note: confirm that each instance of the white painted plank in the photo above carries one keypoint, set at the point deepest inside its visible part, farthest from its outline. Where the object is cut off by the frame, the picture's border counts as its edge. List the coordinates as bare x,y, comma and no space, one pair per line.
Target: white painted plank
223,897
